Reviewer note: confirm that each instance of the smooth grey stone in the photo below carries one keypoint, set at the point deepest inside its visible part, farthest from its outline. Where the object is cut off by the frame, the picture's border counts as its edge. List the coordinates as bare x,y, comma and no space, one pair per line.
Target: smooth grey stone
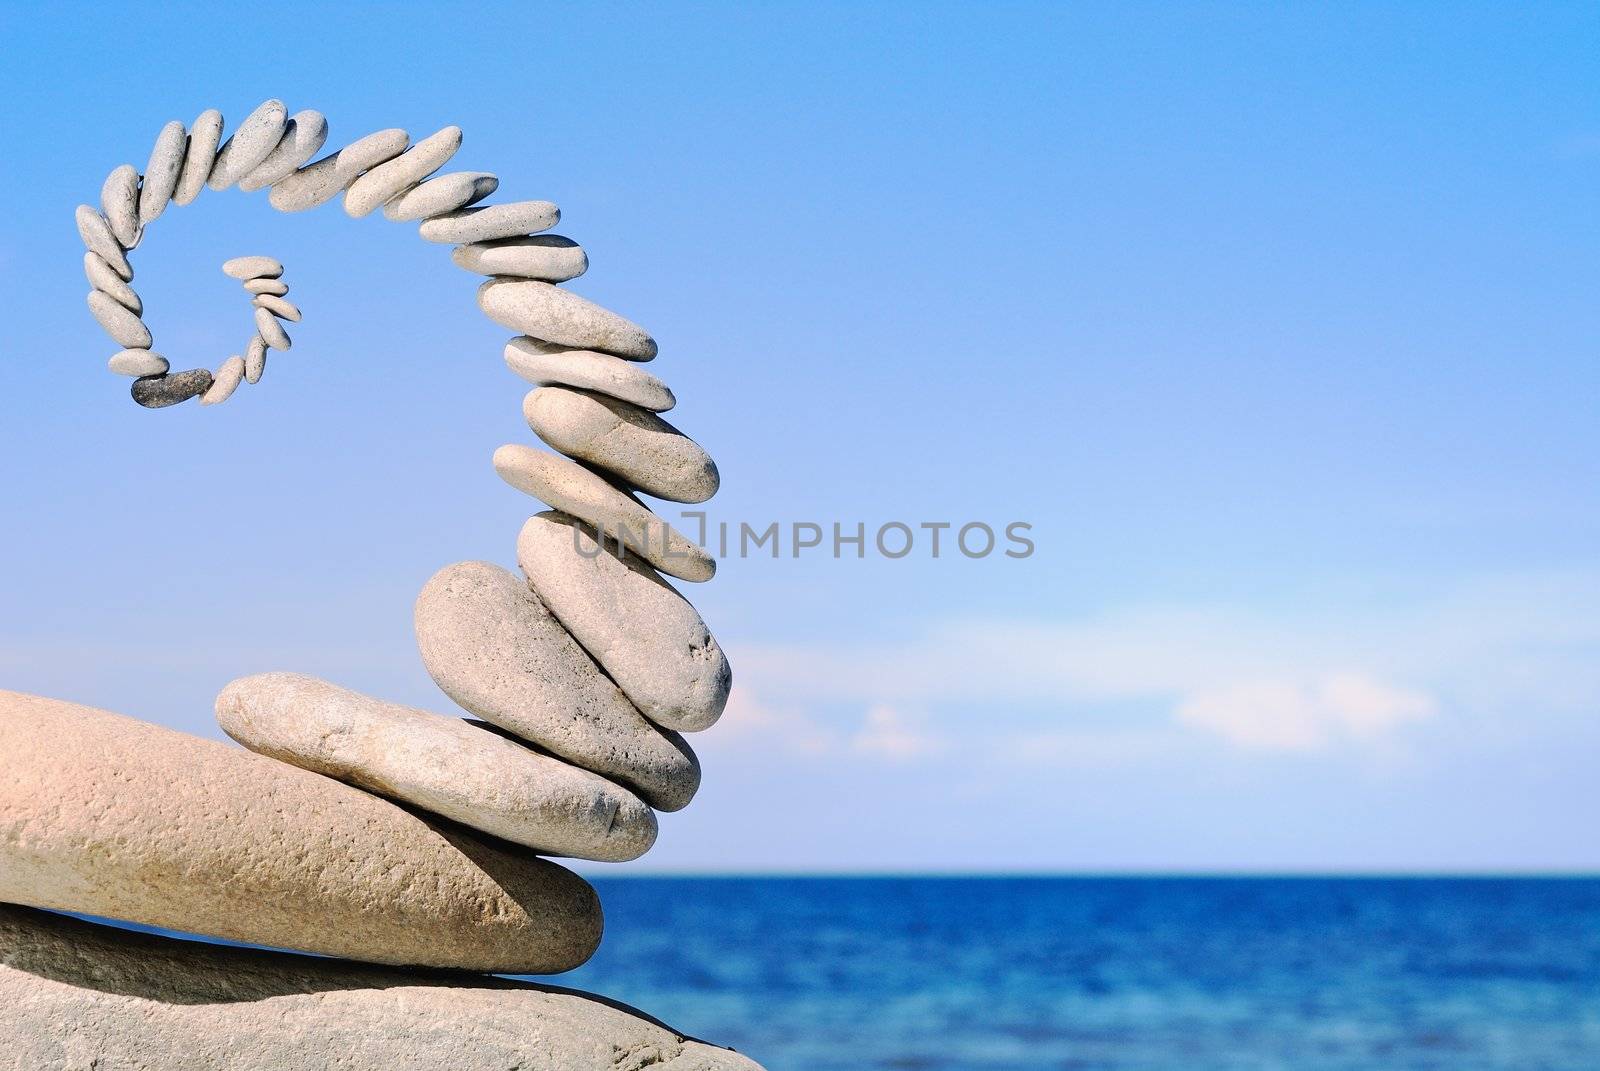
544,363
126,329
486,222
277,306
161,173
321,182
406,170
256,267
643,633
590,497
205,133
495,650
80,995
276,287
446,193
255,359
446,766
271,331
250,145
119,200
137,363
102,278
555,315
224,382
303,136
633,444
158,392
97,237
549,257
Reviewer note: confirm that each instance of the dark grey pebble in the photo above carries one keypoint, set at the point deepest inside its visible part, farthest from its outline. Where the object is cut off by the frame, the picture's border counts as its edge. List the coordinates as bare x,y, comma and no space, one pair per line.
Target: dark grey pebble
158,392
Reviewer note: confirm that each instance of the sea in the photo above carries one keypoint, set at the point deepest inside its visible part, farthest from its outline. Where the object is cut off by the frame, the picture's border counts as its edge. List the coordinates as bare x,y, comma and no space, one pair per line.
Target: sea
1154,974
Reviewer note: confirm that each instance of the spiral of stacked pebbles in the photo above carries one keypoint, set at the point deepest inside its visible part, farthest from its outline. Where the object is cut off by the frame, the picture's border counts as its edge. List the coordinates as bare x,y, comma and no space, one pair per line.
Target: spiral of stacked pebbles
580,675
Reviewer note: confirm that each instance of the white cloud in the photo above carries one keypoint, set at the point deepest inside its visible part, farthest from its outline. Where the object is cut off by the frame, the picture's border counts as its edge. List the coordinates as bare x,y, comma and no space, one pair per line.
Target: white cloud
1293,716
897,736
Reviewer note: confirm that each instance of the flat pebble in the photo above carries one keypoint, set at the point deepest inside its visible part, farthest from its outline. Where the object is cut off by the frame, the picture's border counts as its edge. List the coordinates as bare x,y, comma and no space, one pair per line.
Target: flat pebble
251,144
277,306
488,222
494,649
204,135
446,193
549,257
137,363
321,182
643,633
225,381
467,773
256,267
125,328
255,359
544,363
302,138
97,236
102,278
161,173
632,444
571,488
158,392
409,168
555,315
119,200
266,286
271,331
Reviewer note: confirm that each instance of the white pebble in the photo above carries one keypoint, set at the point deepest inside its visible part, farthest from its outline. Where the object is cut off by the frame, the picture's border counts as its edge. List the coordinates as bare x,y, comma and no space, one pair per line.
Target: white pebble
556,315
137,363
201,153
302,138
255,360
224,382
488,222
97,236
271,331
257,267
126,329
549,257
102,278
544,363
440,195
406,170
252,143
321,182
266,286
119,200
277,306
161,173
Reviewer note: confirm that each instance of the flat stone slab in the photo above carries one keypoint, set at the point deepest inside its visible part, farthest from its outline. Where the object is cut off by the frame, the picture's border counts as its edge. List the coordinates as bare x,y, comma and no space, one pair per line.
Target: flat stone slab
560,316
493,648
645,635
81,995
634,445
105,815
444,765
544,363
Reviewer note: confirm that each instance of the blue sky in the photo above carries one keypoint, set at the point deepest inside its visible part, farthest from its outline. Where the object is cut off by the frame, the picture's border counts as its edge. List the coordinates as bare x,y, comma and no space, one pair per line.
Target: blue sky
1277,323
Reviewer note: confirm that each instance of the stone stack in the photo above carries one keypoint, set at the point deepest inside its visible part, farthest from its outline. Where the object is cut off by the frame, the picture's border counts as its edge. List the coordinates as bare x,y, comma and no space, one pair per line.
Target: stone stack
352,826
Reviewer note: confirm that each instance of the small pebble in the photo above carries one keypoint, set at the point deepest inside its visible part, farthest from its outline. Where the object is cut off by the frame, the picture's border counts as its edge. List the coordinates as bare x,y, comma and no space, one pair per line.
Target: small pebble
102,278
489,222
440,195
252,143
544,363
225,382
321,182
257,267
158,392
549,257
266,286
97,236
555,315
409,168
161,173
635,446
277,306
302,137
119,199
271,331
255,360
198,156
126,329
137,363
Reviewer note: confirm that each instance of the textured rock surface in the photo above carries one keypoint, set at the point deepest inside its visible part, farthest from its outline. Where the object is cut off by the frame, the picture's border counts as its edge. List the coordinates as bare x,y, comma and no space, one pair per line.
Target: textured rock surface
491,221
250,145
161,173
286,310
444,765
637,446
409,168
109,816
555,315
322,181
158,392
119,200
266,286
534,256
125,328
302,137
224,382
571,488
271,331
493,647
137,363
256,267
79,995
204,137
440,195
646,635
546,363
102,278
97,238
255,359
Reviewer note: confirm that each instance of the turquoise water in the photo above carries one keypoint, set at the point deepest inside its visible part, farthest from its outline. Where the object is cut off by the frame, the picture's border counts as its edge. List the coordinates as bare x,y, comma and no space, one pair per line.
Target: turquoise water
1191,974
